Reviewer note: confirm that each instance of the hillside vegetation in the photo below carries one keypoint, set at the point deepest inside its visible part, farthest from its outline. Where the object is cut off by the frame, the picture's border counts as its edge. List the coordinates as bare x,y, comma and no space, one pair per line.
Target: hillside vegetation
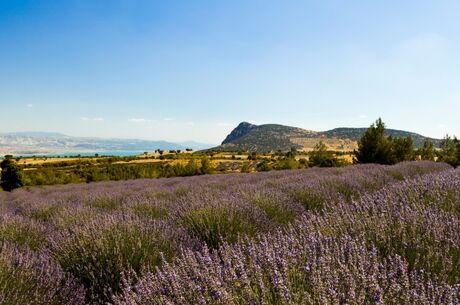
273,137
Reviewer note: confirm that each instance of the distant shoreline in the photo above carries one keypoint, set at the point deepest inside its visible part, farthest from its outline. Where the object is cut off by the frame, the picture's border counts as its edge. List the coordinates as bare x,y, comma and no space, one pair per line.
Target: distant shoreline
75,154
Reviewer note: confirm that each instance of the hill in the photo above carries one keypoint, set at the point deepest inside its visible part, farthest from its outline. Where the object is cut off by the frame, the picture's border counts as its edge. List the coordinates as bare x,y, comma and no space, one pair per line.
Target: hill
273,137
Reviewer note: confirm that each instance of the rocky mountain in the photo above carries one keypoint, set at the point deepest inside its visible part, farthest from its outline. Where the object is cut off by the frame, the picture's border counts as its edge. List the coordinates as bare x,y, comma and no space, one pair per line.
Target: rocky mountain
273,137
29,143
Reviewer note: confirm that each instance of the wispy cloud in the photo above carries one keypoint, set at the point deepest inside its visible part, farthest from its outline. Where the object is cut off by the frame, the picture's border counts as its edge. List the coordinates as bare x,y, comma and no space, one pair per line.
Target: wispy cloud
139,120
190,123
92,119
168,119
29,105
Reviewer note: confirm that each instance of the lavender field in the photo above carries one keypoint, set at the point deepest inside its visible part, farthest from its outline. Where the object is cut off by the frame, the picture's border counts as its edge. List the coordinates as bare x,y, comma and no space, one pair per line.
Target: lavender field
366,234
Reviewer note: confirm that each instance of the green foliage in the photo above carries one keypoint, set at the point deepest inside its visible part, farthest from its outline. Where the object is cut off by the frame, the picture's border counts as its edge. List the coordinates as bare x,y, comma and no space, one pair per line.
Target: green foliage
105,169
49,176
190,169
205,166
427,151
375,147
321,157
252,156
450,151
264,166
11,175
287,163
245,168
401,149
458,152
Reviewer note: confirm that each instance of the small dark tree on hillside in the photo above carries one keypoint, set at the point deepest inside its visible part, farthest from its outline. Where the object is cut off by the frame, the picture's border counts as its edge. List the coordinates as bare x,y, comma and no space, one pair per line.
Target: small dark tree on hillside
264,166
252,156
11,176
374,147
427,151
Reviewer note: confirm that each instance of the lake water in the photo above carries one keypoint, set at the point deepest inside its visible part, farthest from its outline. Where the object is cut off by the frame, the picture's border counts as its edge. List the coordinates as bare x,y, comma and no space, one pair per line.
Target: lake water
85,154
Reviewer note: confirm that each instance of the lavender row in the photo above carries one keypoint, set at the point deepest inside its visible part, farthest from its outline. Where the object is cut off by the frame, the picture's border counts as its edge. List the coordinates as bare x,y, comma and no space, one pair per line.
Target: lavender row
93,233
398,246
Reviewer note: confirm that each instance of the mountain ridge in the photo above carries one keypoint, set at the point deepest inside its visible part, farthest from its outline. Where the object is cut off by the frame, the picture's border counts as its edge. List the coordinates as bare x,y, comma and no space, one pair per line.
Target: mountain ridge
29,143
273,137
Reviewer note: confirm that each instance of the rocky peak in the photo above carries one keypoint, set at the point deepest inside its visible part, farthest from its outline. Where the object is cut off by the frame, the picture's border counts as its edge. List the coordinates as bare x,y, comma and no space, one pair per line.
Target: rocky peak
242,129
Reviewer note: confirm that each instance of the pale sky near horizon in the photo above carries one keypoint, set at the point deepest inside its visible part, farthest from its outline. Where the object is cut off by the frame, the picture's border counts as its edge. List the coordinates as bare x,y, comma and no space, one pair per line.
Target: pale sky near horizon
192,70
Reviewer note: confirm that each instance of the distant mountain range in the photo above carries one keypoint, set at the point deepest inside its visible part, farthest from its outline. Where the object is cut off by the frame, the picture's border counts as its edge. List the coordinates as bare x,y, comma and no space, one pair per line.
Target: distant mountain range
273,137
30,143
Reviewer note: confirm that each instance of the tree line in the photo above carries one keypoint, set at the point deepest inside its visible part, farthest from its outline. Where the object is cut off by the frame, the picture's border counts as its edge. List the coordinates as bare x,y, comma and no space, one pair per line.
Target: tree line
375,147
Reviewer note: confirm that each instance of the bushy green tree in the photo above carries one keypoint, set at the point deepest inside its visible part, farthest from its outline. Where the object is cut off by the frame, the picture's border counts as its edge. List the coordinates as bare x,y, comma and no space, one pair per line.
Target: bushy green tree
245,168
449,152
287,163
11,175
264,166
252,156
401,149
427,151
321,157
190,169
205,166
375,147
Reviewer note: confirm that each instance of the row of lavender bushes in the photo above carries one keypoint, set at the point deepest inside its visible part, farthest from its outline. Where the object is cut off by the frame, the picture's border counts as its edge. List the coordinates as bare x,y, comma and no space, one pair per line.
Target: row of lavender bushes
348,235
400,245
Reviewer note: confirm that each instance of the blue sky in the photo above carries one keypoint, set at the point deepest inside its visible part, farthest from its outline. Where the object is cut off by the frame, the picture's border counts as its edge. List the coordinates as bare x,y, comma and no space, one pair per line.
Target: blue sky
183,70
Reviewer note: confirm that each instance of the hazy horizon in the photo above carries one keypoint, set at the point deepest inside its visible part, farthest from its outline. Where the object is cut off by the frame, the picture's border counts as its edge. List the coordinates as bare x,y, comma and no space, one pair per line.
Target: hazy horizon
177,141
181,71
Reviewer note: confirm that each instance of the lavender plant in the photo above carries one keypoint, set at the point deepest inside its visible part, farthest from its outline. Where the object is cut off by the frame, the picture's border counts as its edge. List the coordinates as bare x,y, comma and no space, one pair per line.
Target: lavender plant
387,248
32,278
22,231
98,251
362,234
